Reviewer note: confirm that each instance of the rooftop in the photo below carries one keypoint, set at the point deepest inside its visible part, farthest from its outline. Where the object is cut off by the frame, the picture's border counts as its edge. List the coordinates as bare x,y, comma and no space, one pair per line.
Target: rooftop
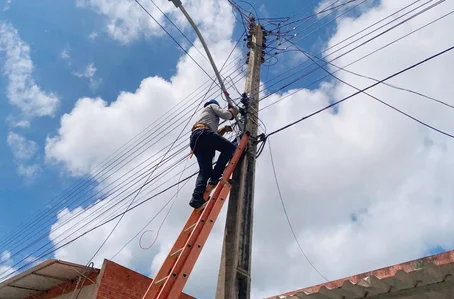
41,278
59,279
428,278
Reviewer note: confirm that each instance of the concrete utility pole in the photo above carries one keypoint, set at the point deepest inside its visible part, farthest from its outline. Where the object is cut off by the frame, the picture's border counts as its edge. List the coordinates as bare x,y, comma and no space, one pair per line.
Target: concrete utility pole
234,280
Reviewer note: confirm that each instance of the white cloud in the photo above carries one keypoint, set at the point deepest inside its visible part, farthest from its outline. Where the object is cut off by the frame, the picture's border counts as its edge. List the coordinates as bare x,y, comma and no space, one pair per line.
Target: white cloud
89,73
29,171
366,160
65,55
7,5
22,91
6,255
23,124
126,21
336,8
93,36
6,271
23,151
15,122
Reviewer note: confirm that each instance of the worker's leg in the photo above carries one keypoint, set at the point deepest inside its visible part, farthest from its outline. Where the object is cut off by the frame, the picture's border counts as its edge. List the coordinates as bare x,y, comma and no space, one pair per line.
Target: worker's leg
227,149
204,159
204,155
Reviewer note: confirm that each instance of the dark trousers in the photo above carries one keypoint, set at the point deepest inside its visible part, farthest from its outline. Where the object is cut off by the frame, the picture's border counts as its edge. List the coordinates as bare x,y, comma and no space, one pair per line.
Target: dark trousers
204,143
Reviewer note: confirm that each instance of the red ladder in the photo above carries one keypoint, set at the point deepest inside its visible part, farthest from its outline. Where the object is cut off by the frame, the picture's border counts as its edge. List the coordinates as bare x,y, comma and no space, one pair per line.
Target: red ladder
175,271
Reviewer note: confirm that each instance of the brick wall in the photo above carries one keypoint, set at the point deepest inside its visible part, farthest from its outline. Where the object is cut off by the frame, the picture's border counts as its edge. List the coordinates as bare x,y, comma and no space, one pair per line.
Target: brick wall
118,282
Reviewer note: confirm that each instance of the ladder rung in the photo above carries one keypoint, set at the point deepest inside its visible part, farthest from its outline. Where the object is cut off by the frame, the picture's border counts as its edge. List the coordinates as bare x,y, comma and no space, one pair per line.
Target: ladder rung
162,281
177,253
227,182
190,228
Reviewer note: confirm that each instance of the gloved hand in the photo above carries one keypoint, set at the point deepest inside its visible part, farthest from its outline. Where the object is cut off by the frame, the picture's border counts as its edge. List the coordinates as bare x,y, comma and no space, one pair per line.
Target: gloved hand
224,130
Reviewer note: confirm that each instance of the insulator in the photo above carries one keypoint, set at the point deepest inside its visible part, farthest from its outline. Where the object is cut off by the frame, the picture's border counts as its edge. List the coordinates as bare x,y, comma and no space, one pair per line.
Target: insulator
249,45
263,59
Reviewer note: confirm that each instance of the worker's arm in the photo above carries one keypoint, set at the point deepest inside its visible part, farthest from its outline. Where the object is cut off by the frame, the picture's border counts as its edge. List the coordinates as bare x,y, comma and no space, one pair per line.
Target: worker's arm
228,114
224,130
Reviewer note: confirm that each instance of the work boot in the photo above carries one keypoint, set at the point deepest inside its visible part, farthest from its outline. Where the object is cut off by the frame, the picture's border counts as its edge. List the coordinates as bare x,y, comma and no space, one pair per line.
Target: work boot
197,203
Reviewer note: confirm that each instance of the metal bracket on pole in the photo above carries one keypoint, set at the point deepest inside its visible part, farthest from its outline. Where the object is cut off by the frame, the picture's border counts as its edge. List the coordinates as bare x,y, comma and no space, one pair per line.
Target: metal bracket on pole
179,5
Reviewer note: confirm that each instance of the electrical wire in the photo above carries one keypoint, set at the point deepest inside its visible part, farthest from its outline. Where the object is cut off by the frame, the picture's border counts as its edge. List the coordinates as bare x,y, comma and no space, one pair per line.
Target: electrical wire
181,32
391,28
377,99
370,26
329,22
355,61
376,80
149,176
35,226
362,44
74,226
63,196
184,50
364,89
99,225
148,223
287,217
176,194
230,54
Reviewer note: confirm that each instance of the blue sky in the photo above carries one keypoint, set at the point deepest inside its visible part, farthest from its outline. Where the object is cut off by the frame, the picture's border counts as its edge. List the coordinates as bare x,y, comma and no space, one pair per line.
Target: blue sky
352,179
50,28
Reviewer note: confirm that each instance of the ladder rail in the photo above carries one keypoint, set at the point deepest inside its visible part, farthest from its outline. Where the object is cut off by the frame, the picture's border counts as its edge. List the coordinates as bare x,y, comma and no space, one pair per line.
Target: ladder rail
176,268
169,262
200,241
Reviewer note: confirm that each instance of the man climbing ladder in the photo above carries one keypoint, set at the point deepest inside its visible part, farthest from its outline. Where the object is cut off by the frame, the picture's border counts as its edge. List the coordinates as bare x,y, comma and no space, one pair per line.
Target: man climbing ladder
205,140
176,268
